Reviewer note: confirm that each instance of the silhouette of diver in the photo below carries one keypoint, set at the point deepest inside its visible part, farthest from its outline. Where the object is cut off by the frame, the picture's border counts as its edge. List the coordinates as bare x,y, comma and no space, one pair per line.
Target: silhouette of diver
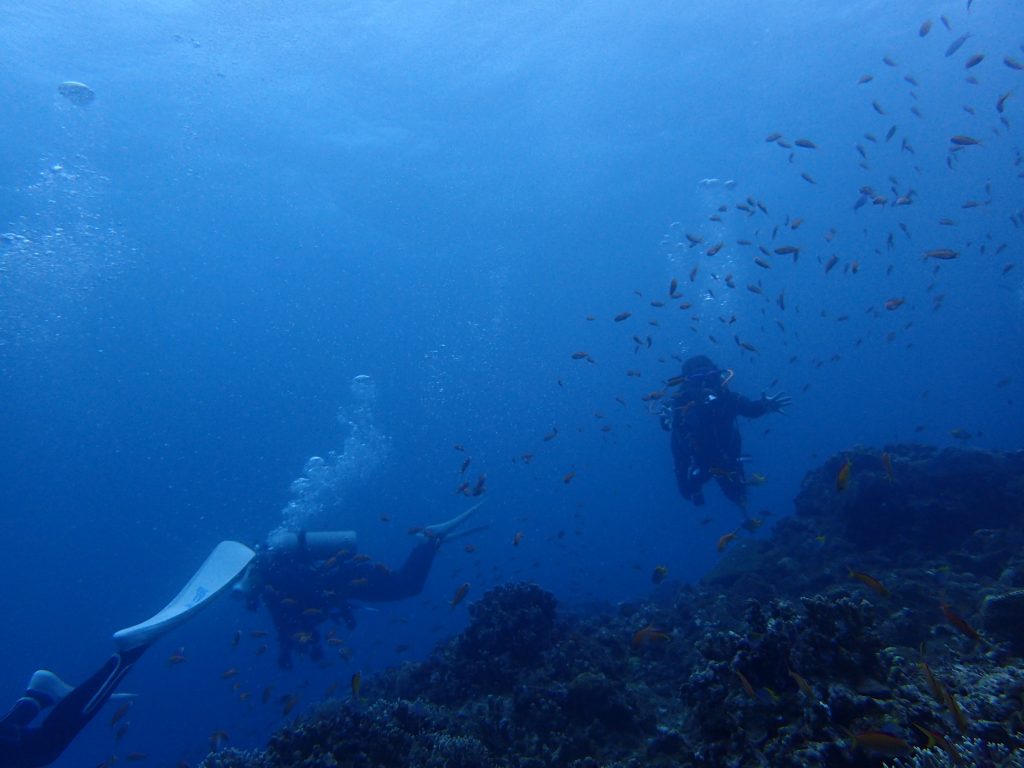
306,578
706,441
296,564
23,745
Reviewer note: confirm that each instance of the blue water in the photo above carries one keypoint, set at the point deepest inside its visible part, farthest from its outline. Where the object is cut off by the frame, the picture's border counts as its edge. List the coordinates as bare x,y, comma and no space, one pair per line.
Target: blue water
266,200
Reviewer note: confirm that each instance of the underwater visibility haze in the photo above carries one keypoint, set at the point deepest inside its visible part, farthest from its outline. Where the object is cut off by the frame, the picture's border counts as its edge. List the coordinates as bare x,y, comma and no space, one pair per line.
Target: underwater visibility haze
321,265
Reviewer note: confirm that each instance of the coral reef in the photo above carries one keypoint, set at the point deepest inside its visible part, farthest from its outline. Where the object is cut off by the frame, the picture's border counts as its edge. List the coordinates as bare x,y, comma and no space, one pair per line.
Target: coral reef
878,625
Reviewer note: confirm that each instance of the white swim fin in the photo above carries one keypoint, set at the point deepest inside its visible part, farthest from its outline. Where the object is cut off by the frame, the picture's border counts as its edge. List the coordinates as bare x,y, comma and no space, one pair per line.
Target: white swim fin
223,566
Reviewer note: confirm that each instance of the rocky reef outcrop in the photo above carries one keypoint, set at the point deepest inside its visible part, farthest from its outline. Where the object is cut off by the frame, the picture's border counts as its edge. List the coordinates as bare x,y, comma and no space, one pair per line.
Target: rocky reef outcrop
880,624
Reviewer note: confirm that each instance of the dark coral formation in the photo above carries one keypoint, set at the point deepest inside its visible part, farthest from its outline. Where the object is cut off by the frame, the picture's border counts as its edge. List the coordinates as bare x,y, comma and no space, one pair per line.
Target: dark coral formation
842,639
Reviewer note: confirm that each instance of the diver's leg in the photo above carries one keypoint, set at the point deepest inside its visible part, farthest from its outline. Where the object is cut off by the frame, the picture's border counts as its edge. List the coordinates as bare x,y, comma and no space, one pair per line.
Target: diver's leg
45,744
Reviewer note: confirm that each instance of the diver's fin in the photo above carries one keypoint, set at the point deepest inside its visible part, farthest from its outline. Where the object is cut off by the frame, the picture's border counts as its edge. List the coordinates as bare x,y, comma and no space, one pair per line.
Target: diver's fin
47,685
223,566
442,530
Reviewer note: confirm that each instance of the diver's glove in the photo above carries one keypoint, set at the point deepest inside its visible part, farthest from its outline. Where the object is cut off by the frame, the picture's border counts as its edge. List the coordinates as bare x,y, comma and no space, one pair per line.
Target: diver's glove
775,403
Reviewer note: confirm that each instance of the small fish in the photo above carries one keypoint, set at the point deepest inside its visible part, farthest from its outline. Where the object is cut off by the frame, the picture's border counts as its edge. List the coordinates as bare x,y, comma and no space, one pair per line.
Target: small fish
878,107
887,465
649,634
622,316
865,79
517,539
943,254
892,304
784,250
568,476
177,657
802,684
660,574
773,136
936,739
879,741
959,717
964,141
289,703
460,595
937,688
808,178
747,687
974,60
121,712
869,581
1001,101
926,27
672,288
551,435
724,539
955,45
356,684
1013,63
960,434
805,143
960,623
843,478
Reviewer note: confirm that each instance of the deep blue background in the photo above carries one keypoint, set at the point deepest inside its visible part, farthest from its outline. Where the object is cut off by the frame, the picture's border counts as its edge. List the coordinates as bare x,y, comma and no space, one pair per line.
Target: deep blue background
265,200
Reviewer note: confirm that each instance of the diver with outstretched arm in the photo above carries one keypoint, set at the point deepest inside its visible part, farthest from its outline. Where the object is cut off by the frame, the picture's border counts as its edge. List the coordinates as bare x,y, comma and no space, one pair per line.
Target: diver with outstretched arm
23,745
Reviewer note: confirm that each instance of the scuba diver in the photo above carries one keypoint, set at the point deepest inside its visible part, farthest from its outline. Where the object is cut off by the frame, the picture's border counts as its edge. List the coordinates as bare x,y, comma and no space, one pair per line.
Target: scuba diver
306,578
706,441
23,745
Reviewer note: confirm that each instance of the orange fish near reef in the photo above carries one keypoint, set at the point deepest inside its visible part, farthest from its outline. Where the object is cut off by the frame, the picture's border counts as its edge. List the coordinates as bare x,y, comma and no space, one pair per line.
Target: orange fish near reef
961,624
460,595
649,634
879,741
724,539
869,581
843,478
887,465
357,683
802,684
746,684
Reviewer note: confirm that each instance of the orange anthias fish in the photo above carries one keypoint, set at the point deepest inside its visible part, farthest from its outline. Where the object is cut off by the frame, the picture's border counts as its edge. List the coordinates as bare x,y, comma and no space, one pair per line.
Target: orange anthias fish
460,595
869,581
357,683
746,684
649,634
843,478
879,741
724,539
887,465
802,684
961,624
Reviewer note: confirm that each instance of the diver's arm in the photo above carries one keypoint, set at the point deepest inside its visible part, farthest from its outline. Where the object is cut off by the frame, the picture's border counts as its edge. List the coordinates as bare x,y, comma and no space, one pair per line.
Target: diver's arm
753,409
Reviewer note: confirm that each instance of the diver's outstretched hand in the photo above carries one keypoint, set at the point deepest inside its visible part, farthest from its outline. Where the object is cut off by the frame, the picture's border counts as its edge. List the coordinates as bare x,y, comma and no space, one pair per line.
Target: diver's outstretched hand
775,403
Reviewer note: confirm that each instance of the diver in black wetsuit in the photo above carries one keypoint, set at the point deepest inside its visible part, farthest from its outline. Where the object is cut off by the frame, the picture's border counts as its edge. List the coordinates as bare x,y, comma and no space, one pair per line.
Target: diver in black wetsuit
706,441
23,745
307,578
